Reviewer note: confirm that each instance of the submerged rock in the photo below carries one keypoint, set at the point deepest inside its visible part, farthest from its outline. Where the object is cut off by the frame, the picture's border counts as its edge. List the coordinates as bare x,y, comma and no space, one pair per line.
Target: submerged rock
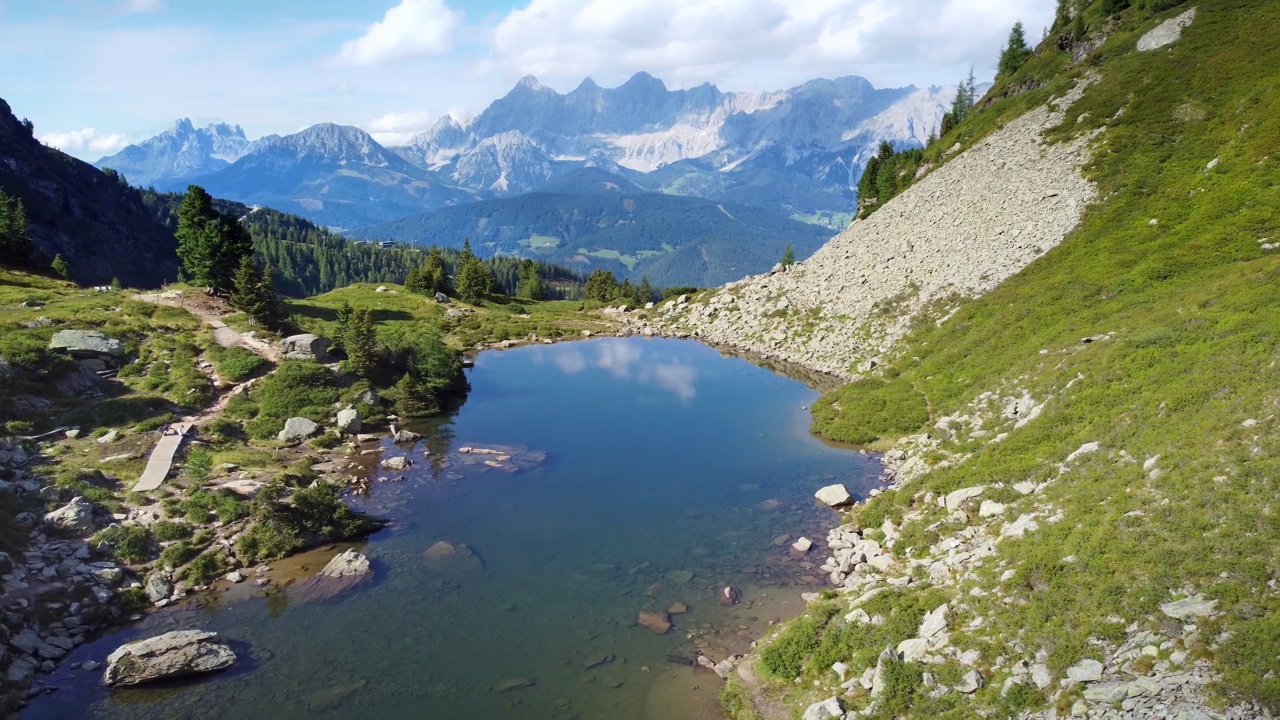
346,564
729,595
174,654
515,684
657,621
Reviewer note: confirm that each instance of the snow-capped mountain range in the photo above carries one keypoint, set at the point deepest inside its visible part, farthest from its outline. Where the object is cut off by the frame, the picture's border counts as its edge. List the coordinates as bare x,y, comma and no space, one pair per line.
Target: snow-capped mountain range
798,152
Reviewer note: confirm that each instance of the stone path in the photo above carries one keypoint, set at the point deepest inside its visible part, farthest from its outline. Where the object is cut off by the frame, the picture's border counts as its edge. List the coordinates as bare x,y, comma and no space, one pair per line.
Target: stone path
161,460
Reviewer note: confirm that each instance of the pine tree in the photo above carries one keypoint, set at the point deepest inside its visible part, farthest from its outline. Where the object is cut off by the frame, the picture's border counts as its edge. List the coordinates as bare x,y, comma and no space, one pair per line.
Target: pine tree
433,272
345,314
197,235
413,281
601,285
269,300
246,293
1016,52
15,245
361,344
646,290
530,284
59,266
474,280
965,97
788,256
210,244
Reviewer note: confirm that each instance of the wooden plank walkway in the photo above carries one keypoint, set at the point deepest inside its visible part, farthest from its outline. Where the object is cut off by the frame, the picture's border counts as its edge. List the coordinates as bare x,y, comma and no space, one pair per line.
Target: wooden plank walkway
161,459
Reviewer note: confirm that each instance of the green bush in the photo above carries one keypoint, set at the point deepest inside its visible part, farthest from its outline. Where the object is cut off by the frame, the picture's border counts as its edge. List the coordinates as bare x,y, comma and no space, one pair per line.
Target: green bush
130,543
236,364
785,657
175,556
227,505
297,389
204,569
167,530
19,427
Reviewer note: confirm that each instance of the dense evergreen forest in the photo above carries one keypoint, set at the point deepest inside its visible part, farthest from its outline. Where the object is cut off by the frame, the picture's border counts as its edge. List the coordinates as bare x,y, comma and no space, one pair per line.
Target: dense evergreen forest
310,260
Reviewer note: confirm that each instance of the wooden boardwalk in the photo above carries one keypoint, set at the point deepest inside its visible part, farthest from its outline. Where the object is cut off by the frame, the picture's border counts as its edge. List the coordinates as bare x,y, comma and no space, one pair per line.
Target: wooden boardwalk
161,459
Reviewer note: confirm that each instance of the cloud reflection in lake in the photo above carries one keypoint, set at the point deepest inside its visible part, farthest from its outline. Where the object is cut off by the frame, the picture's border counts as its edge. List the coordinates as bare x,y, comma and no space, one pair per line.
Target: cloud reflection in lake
625,361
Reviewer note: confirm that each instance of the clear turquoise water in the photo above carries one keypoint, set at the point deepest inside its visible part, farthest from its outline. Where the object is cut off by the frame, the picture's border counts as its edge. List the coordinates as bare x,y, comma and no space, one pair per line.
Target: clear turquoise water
661,459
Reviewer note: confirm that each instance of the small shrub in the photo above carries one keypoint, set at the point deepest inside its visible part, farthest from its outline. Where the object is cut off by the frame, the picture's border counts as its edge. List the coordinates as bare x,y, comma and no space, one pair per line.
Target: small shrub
152,424
19,427
203,569
175,556
236,364
167,530
130,543
784,658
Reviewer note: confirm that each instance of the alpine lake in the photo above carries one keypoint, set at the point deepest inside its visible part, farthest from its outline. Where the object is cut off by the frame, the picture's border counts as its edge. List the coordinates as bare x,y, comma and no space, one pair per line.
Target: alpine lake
605,478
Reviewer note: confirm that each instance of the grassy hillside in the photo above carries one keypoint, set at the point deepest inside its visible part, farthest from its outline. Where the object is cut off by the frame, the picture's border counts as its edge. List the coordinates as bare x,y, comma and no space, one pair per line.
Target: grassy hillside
1175,278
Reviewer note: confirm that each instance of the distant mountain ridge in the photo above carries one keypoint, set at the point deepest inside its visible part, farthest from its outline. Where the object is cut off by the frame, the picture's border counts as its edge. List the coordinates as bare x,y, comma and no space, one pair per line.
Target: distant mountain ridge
335,175
179,153
795,152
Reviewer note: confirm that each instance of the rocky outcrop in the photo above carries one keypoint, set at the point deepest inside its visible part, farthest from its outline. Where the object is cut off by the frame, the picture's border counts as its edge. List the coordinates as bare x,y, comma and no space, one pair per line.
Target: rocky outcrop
88,345
306,347
1167,32
74,517
174,654
958,232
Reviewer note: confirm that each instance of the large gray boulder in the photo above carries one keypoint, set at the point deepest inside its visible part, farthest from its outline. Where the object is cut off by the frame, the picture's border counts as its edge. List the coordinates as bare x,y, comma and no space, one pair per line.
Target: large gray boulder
174,654
76,516
157,587
87,344
825,710
306,347
349,421
834,496
296,430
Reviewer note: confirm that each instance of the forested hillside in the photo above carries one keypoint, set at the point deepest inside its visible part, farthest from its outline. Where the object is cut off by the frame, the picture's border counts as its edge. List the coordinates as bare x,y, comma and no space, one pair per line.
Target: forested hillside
673,240
93,219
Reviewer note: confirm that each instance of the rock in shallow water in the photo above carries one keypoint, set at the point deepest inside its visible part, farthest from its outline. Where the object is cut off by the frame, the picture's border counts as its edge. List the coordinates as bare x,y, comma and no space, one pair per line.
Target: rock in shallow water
659,622
174,654
834,496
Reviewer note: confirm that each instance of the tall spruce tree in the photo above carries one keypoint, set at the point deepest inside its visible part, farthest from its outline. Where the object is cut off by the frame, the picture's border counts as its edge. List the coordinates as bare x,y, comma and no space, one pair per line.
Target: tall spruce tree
474,280
531,285
210,244
789,255
433,271
361,344
646,290
601,285
246,293
413,281
1016,51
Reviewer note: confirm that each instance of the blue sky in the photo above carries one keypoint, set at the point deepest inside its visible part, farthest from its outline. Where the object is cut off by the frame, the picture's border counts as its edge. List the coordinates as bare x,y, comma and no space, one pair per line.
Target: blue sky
95,75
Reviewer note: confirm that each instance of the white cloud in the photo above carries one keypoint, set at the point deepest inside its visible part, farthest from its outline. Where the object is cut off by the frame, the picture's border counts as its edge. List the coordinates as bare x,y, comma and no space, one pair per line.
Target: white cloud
86,140
692,41
414,28
397,128
139,6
